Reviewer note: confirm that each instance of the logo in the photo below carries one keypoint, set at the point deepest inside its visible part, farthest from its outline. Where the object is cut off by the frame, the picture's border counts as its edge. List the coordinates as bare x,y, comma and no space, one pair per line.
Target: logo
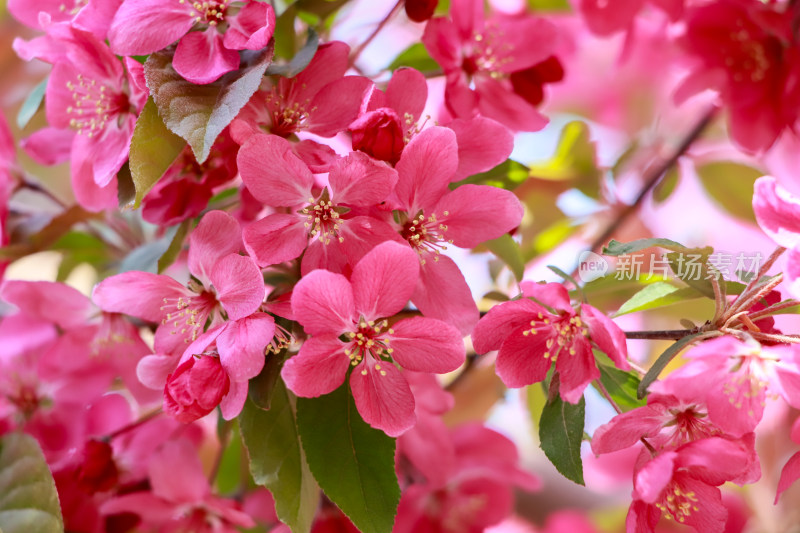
591,266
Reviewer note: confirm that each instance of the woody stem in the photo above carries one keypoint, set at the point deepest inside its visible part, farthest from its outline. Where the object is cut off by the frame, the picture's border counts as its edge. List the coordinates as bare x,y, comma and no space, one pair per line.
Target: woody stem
360,48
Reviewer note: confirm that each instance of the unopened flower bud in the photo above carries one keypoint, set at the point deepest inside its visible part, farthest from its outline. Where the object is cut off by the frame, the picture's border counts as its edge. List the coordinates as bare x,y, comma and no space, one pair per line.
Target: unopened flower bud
195,388
379,134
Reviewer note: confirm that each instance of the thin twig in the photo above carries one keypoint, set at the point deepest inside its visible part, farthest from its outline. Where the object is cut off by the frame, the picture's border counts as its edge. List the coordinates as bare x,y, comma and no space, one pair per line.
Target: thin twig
360,48
135,424
600,387
664,334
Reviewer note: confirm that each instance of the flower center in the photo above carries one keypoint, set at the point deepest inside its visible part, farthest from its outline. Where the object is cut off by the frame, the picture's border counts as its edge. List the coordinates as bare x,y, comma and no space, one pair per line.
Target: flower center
567,333
77,5
482,53
690,424
748,58
677,504
323,219
93,105
187,315
426,235
287,116
369,342
211,13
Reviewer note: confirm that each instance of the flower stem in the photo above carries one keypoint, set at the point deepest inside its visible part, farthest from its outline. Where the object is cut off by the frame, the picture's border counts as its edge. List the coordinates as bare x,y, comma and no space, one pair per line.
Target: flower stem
360,48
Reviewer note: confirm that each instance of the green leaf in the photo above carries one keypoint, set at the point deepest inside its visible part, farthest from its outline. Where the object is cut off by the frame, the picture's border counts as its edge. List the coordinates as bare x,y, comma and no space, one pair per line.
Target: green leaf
617,248
277,460
507,249
656,294
352,462
560,435
415,56
536,398
667,185
731,186
199,113
548,5
31,104
153,149
49,234
620,385
321,8
145,257
175,246
663,360
507,175
575,160
299,61
263,386
28,497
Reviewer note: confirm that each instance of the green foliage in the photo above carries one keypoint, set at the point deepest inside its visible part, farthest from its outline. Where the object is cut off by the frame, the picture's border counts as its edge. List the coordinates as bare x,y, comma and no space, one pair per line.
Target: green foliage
300,60
77,248
508,250
620,385
575,160
31,104
28,497
175,246
263,386
146,257
199,113
617,248
549,5
352,462
507,175
667,185
560,436
153,149
662,362
277,460
731,186
415,56
655,295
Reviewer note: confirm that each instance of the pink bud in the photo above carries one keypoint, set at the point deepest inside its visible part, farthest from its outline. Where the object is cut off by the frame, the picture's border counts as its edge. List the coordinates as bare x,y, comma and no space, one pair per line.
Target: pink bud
98,473
420,10
195,388
379,134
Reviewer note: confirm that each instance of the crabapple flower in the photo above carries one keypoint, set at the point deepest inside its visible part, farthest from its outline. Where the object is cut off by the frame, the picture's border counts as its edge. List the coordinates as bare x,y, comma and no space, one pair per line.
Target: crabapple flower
747,53
226,286
778,213
195,388
681,485
735,378
480,52
91,103
531,338
331,308
320,223
203,53
431,217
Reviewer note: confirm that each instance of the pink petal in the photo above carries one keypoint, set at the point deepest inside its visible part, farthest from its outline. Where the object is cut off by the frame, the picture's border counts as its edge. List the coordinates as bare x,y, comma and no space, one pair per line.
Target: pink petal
49,146
49,301
625,430
521,359
251,28
336,105
607,335
500,103
501,321
482,144
468,17
789,474
96,17
285,181
715,460
577,370
384,280
329,64
153,370
176,473
275,239
429,448
323,302
427,345
443,293
319,368
526,42
736,404
233,402
711,514
478,213
141,27
318,157
202,58
359,180
443,43
142,503
383,398
407,92
239,284
242,344
104,153
553,295
139,294
426,167
217,235
777,212
650,482
605,19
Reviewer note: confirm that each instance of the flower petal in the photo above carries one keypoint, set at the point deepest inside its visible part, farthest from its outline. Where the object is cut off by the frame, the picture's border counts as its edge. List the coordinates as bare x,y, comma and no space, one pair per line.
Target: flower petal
384,280
383,397
482,144
239,284
202,58
242,344
777,212
360,180
275,239
319,368
443,293
478,213
427,345
285,181
336,105
521,359
141,27
426,167
217,235
139,294
323,303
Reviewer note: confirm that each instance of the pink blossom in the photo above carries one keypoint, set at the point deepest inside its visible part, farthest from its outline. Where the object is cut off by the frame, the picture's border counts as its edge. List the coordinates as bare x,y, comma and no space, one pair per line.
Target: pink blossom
330,306
531,338
229,286
735,378
91,103
746,52
93,16
682,485
605,18
317,220
480,52
141,27
195,388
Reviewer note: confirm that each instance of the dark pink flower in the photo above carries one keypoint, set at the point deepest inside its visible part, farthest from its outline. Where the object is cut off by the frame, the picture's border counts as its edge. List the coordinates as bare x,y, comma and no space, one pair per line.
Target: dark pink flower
420,10
746,52
478,52
531,338
195,388
331,307
141,27
229,286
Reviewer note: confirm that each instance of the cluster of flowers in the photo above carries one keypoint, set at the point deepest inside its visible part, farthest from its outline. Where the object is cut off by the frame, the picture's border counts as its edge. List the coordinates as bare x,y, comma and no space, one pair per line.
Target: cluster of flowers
346,197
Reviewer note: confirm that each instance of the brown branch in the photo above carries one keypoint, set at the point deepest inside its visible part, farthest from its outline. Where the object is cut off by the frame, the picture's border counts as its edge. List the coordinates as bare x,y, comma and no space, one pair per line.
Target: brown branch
360,48
665,334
